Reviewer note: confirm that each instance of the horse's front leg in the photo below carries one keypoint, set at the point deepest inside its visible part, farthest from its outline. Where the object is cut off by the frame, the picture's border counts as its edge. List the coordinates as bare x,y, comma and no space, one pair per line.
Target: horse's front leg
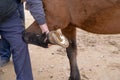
70,33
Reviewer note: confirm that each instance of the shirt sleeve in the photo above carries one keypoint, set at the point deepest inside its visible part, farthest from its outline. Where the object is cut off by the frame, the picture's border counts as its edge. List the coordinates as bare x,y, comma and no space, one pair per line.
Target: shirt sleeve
36,10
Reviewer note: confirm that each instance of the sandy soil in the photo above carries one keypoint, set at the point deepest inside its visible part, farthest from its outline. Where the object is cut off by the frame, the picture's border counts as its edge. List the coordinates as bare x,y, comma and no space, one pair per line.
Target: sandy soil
98,59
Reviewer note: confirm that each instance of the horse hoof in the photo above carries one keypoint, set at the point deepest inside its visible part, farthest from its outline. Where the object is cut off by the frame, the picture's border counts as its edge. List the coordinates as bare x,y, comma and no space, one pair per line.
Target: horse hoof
57,38
71,78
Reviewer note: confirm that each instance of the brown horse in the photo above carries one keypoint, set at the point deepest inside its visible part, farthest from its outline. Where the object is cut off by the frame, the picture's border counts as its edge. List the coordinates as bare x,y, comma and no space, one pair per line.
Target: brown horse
96,16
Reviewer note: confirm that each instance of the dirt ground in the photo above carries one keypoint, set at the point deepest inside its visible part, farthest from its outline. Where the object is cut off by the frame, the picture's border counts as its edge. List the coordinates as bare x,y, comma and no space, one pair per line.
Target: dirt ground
98,59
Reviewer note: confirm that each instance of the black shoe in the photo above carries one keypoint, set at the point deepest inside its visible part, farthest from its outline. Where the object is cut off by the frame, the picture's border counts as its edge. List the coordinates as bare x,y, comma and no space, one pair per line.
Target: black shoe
3,62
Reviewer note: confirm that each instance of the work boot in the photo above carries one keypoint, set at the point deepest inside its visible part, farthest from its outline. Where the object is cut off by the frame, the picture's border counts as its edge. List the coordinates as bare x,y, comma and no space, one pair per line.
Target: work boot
3,62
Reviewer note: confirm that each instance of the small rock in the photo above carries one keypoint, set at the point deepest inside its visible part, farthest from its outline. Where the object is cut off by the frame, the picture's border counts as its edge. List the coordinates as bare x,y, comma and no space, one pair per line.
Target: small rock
97,65
52,66
51,76
85,77
112,43
102,56
52,53
115,52
90,69
2,71
41,70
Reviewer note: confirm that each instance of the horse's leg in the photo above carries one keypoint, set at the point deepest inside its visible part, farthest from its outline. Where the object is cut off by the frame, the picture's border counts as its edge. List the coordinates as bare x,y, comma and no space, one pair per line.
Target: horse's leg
70,33
34,28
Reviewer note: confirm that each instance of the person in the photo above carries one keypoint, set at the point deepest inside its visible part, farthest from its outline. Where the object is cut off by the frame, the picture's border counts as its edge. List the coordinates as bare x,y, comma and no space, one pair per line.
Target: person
11,28
5,52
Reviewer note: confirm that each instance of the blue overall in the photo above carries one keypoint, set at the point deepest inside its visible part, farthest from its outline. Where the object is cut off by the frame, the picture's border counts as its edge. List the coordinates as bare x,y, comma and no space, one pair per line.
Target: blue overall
4,46
11,30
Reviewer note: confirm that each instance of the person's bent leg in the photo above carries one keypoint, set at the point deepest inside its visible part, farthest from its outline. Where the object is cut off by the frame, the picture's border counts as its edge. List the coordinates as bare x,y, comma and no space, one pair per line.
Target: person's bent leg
12,31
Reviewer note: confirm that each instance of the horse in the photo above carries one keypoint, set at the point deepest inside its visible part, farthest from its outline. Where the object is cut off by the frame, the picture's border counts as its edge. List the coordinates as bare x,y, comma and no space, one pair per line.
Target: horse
95,16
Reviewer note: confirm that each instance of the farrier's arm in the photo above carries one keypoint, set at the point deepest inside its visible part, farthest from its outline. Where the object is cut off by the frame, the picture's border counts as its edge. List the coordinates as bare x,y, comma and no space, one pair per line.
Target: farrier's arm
37,11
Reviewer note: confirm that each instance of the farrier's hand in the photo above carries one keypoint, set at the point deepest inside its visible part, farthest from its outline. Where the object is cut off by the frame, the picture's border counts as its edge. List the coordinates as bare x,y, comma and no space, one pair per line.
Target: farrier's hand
44,28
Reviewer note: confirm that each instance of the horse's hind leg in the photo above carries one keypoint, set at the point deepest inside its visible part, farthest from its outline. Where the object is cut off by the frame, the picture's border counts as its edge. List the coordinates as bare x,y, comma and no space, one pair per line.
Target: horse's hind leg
70,33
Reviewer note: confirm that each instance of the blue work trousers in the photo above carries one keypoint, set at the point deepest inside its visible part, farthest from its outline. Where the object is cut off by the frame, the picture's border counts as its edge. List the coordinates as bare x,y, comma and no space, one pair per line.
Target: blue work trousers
4,46
11,30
